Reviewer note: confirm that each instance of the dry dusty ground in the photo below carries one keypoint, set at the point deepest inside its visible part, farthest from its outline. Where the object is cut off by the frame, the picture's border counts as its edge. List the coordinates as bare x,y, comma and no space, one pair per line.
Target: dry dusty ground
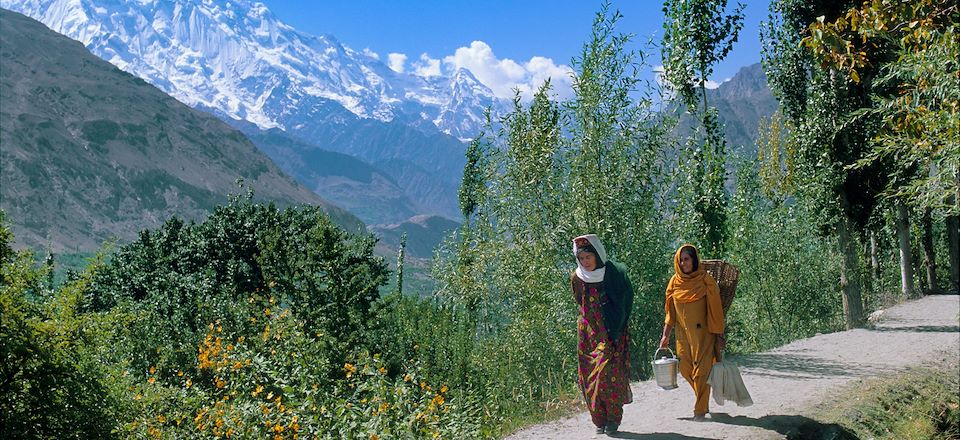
786,382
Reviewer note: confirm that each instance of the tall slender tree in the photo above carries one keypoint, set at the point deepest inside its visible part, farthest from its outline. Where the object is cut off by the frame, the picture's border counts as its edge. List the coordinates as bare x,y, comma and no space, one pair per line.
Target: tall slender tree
697,35
822,104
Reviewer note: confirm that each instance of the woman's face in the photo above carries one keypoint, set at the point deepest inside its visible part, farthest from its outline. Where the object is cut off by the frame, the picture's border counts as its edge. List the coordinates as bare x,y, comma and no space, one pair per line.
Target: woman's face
686,262
588,260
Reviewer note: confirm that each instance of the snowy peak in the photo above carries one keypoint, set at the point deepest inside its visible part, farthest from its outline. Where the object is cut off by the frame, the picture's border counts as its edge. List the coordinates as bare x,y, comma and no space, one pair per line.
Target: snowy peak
236,57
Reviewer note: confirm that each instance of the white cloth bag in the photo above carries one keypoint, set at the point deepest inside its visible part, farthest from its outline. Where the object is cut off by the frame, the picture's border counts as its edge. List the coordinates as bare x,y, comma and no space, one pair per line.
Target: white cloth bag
728,385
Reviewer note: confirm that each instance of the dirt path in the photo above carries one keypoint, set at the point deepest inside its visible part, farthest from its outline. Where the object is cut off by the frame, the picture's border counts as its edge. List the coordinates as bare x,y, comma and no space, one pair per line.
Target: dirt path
785,381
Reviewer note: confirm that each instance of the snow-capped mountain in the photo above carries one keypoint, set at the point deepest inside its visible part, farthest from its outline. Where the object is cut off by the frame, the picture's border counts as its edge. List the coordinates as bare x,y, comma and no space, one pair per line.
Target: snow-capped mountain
237,58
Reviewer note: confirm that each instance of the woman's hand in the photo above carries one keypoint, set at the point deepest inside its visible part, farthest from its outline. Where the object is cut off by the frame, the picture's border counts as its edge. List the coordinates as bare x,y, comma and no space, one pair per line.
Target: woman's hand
665,340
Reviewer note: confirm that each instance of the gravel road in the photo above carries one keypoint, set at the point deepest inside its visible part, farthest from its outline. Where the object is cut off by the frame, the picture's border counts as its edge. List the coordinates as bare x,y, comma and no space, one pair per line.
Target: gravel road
786,382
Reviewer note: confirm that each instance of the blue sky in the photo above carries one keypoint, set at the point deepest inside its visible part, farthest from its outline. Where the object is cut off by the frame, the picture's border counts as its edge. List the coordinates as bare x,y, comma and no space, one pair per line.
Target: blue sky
505,43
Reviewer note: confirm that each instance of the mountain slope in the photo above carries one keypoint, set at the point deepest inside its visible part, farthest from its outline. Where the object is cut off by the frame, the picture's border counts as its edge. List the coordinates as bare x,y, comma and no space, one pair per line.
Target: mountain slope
90,152
357,186
236,56
236,60
742,102
424,233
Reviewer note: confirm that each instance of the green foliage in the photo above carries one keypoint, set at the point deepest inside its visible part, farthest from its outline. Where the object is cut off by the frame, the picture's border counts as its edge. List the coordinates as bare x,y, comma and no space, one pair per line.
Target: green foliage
918,404
785,270
551,172
696,36
52,382
921,123
244,257
912,48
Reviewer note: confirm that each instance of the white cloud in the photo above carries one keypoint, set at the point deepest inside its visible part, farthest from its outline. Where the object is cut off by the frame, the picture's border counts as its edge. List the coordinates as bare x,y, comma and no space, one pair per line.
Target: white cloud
661,78
561,77
396,61
370,53
426,66
502,76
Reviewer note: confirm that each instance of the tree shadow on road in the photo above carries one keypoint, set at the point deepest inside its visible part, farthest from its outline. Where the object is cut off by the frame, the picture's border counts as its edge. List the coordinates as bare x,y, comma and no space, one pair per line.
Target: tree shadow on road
921,329
794,427
801,366
656,436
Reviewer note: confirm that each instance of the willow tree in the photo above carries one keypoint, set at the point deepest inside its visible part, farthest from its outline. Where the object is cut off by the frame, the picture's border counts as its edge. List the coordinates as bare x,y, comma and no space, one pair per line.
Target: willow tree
697,35
545,173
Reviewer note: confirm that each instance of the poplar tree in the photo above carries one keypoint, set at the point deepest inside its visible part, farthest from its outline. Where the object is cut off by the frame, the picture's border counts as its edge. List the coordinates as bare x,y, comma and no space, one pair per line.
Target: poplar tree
697,35
830,135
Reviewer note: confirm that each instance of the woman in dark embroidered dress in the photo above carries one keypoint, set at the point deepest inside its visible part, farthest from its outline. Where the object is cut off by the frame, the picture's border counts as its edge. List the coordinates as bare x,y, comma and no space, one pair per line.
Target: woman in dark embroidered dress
605,296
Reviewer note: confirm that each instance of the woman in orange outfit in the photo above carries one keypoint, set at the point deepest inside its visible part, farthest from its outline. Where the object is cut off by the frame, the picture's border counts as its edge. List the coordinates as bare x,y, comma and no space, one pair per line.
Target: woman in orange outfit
693,307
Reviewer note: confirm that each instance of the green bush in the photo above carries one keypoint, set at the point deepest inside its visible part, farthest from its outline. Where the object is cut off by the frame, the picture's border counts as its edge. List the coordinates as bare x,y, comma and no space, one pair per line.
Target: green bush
53,384
245,258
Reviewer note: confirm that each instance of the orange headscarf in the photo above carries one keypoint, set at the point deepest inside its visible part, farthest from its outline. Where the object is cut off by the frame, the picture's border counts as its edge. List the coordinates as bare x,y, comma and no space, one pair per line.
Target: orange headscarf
689,287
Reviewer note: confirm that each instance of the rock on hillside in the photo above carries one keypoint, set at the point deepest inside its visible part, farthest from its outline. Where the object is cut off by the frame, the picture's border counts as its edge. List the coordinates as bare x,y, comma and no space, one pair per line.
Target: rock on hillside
90,152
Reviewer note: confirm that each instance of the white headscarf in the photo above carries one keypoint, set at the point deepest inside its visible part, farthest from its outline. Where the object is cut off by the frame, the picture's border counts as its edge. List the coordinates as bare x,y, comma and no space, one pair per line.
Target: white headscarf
591,276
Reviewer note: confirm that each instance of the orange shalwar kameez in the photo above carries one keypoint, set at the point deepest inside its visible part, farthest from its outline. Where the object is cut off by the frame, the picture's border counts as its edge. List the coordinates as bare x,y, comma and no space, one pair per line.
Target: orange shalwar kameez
694,309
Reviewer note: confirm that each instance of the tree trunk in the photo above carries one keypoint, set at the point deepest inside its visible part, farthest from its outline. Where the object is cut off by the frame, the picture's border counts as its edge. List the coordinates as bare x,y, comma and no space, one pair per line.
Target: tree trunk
874,258
849,271
906,256
868,281
929,258
953,236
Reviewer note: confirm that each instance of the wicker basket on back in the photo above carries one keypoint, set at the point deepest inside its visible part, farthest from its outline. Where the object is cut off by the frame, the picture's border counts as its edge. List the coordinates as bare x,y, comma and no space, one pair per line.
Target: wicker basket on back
727,276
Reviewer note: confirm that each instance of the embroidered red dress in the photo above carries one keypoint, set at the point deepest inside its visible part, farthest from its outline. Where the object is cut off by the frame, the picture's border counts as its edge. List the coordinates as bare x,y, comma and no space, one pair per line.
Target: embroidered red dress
603,367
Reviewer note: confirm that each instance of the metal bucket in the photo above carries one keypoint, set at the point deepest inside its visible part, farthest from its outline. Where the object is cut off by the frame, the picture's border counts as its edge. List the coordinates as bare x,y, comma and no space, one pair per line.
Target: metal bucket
665,369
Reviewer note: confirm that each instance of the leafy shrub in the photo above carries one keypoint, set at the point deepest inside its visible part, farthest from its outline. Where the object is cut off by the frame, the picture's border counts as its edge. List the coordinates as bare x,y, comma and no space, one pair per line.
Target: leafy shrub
245,257
53,384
